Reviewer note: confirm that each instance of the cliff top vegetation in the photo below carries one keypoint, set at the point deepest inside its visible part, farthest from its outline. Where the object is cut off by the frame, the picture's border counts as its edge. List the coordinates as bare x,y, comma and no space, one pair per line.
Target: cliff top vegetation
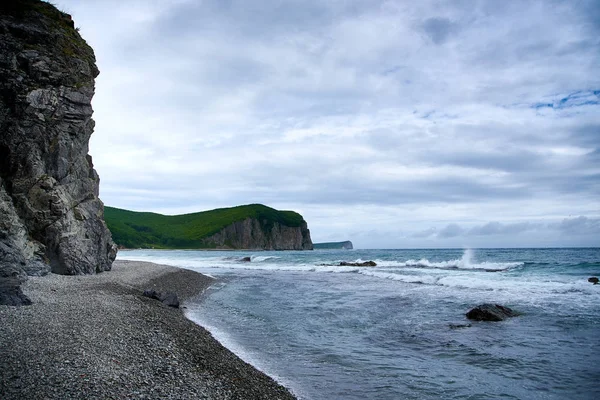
133,229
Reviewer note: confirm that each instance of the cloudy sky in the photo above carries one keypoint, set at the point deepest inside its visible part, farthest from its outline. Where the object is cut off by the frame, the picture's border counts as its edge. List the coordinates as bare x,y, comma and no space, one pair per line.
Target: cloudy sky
389,123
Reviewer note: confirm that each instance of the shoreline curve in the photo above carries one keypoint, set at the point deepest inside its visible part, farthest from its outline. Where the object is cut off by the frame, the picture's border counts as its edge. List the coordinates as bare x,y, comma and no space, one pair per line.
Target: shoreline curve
96,336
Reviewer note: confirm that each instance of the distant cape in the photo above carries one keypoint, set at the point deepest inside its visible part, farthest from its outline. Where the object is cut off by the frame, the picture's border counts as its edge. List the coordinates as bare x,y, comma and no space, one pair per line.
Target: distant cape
334,245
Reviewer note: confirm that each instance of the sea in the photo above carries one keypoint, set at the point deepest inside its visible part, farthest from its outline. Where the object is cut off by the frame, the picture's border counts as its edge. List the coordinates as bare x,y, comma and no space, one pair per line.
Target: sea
398,330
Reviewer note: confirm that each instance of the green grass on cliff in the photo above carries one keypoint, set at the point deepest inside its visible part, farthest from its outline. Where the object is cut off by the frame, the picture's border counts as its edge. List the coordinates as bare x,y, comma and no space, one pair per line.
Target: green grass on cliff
133,229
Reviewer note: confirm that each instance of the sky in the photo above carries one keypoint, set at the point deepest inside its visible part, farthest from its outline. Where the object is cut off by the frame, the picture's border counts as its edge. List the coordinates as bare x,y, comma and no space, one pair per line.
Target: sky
394,124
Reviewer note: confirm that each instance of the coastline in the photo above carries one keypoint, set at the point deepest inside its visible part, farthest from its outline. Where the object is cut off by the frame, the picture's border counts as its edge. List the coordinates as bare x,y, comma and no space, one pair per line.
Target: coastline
96,336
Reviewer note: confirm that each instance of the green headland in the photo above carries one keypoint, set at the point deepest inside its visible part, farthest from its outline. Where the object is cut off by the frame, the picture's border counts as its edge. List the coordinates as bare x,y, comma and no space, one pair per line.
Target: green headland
131,229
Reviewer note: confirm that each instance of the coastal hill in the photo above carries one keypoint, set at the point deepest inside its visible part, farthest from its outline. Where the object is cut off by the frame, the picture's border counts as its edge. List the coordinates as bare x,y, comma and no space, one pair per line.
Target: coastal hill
334,245
252,226
50,214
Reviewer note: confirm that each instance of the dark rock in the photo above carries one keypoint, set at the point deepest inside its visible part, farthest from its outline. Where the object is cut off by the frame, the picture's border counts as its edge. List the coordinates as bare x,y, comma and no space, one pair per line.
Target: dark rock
459,326
593,280
153,294
50,216
246,259
170,299
490,312
358,264
11,294
167,298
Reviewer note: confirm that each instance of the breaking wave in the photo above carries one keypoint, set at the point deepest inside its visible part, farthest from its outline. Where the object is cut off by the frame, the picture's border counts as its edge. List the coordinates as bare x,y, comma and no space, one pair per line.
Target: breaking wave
465,262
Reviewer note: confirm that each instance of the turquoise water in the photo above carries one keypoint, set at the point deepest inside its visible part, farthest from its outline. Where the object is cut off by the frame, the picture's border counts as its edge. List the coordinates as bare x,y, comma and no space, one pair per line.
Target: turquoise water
330,332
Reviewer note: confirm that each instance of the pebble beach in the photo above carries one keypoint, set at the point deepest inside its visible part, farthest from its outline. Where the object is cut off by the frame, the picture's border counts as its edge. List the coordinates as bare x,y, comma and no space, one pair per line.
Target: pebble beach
97,337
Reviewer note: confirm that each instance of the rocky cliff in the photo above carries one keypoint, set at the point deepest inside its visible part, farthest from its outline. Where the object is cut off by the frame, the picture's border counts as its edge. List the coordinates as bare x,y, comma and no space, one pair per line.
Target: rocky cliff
265,235
50,216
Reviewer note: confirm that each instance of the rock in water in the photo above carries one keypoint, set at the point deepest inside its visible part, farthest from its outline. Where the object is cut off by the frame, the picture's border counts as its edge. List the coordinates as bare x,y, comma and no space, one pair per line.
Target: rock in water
50,216
459,326
593,280
358,264
490,312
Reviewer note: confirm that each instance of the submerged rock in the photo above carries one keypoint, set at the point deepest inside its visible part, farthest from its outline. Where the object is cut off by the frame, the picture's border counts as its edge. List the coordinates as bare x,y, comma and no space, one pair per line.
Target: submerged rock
491,312
593,280
358,264
459,326
246,259
51,218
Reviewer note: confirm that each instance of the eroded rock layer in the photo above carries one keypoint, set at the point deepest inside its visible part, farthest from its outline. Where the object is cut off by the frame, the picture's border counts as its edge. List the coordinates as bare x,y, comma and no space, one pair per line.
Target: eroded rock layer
265,235
51,218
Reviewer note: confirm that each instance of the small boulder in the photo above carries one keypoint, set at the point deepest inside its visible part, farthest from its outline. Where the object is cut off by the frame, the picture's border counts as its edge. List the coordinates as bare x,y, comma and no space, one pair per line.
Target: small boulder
153,294
171,300
593,280
12,295
246,259
168,298
490,312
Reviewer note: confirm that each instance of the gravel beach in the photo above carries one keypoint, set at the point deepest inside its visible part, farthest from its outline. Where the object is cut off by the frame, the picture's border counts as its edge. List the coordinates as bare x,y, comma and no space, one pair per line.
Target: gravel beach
97,337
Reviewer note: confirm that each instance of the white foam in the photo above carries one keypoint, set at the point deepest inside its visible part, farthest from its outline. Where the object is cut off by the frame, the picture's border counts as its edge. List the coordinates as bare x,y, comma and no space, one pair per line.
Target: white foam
337,269
462,276
227,341
263,258
426,279
465,262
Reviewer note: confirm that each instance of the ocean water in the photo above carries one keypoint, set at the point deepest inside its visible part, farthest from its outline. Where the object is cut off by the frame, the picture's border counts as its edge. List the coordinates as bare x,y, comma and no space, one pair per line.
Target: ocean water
388,332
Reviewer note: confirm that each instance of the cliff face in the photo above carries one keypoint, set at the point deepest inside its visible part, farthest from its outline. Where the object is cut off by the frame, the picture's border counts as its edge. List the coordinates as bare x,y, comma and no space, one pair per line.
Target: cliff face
254,234
50,216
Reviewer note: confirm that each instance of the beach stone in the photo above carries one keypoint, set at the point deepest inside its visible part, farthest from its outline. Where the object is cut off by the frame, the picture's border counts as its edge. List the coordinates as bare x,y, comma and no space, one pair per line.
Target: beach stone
167,298
170,299
490,312
153,294
593,280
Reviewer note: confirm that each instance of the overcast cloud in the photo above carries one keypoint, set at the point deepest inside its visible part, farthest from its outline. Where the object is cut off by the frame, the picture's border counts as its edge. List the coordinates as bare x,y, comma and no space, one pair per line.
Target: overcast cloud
389,123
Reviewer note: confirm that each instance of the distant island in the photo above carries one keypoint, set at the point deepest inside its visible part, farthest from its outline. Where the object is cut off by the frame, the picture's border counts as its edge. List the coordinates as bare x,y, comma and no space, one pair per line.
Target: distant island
334,245
253,226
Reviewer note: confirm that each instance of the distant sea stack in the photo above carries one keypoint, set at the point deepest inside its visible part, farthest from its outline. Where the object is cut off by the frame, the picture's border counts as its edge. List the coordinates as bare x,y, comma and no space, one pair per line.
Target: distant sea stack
334,245
50,216
252,226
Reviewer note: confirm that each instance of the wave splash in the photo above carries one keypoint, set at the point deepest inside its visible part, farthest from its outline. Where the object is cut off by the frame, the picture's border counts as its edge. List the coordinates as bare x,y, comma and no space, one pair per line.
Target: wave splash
465,262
